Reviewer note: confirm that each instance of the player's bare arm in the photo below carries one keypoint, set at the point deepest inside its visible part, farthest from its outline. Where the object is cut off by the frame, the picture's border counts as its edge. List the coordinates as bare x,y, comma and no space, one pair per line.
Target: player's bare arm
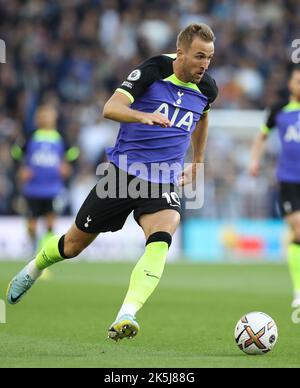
257,153
199,139
24,174
198,142
118,109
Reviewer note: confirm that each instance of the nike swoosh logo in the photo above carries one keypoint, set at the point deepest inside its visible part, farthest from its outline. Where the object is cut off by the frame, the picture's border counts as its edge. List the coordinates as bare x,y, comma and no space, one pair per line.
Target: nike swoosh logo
14,300
151,276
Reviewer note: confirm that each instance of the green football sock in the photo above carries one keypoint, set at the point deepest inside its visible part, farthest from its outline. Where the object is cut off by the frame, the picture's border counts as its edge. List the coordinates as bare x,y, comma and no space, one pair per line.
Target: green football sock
43,241
49,254
146,275
294,265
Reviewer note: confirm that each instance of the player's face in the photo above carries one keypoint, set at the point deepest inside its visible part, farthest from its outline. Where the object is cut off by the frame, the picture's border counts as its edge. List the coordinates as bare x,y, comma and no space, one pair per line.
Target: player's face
294,84
46,118
196,59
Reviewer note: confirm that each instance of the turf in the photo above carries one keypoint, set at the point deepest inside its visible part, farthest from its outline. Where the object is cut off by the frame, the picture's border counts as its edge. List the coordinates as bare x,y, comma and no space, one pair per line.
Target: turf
189,321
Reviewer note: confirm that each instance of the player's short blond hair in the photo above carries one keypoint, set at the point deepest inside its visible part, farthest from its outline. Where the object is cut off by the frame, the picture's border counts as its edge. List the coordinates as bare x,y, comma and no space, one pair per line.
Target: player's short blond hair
44,107
202,31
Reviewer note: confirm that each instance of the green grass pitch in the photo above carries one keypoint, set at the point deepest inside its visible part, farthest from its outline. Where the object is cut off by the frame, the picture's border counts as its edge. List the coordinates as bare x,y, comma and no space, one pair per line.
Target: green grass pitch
188,322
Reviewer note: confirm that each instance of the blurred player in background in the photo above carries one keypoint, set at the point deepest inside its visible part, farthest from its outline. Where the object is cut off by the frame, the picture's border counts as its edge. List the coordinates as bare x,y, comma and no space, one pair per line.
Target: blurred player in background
163,108
285,116
45,164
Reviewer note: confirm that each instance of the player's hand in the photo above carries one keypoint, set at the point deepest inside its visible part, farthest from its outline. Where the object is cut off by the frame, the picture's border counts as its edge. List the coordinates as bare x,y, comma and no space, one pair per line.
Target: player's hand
188,175
155,119
254,168
25,174
65,170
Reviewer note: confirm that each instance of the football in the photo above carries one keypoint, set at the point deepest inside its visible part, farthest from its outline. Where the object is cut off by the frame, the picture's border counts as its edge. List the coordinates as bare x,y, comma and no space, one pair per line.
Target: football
256,333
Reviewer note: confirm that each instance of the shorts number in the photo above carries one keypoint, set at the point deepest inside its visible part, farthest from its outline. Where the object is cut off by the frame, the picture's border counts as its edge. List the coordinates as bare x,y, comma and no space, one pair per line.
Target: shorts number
172,199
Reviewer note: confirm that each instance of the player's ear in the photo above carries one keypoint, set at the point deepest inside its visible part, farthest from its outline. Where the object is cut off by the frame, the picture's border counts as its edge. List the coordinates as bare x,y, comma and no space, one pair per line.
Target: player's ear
180,52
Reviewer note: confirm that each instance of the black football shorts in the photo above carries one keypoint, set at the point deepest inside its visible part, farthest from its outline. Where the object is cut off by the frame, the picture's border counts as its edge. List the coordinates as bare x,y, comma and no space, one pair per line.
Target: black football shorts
289,198
39,207
106,210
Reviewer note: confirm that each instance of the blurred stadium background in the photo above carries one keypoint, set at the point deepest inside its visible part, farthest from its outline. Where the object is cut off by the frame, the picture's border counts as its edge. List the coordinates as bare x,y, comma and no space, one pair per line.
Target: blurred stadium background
74,53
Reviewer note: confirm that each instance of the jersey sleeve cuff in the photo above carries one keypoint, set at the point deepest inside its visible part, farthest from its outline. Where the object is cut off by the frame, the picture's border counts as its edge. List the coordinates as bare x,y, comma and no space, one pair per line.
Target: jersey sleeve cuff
265,129
131,98
72,154
16,152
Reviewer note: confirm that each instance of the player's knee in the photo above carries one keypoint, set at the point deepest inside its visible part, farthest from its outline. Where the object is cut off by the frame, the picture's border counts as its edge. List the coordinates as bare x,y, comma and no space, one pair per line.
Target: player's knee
32,227
296,230
168,225
31,230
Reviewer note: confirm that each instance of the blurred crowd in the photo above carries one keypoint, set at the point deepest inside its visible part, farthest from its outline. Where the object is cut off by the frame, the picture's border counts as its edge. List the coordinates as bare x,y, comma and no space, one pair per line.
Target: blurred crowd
74,53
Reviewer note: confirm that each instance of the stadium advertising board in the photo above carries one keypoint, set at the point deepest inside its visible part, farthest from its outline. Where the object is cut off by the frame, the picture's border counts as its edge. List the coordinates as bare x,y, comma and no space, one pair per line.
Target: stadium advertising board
235,241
